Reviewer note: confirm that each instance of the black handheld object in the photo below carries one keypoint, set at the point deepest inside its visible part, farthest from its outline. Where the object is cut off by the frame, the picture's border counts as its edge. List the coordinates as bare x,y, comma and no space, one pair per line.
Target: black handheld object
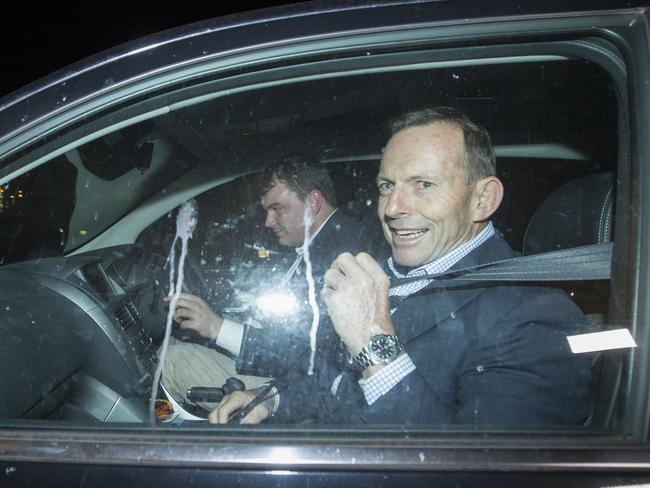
237,417
213,393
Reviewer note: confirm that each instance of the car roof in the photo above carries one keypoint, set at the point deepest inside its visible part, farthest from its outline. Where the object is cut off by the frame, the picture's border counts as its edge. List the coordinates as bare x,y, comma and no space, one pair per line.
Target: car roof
208,39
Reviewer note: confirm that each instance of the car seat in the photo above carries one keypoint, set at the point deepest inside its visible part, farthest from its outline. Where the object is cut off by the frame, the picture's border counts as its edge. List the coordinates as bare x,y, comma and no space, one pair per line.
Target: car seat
579,213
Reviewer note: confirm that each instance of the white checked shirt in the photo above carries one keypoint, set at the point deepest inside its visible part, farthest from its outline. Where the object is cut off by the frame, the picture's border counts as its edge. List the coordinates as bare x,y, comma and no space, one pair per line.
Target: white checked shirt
386,378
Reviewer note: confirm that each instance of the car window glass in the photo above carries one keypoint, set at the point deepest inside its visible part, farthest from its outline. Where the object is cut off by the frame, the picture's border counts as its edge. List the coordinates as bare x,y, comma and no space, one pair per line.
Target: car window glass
100,314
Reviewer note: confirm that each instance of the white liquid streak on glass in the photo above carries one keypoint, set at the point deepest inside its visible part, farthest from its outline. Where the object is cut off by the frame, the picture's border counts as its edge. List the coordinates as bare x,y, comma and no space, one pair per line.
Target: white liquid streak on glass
308,219
185,225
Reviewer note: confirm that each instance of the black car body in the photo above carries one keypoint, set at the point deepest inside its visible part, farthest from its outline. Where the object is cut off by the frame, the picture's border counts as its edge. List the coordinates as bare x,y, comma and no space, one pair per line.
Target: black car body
563,89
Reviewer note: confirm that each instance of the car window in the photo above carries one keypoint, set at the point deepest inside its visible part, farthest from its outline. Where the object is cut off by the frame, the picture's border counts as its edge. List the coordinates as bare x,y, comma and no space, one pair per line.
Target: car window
91,247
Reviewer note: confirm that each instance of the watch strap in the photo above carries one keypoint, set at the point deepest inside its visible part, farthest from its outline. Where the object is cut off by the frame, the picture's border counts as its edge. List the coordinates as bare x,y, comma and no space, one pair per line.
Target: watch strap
365,358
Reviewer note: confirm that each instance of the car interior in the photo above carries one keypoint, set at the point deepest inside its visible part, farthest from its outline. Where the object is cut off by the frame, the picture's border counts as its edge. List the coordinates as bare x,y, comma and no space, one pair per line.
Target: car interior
88,231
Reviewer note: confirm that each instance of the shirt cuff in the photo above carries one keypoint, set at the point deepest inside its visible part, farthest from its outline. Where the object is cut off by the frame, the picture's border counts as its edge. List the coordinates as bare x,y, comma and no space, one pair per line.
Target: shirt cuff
230,336
386,378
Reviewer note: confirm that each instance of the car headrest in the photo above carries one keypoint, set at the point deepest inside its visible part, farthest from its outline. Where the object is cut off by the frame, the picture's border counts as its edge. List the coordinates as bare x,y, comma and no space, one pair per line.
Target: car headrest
579,213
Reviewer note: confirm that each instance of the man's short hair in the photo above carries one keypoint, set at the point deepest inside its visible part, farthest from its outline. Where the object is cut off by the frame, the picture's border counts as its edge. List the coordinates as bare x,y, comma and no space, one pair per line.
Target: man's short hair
479,160
302,174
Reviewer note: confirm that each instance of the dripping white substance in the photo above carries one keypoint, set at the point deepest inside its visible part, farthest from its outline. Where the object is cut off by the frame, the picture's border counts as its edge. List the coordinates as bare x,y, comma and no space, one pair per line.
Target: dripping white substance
308,219
185,225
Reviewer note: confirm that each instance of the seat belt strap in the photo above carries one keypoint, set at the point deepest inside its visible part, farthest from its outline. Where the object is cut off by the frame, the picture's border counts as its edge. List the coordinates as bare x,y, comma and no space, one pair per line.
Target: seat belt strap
583,263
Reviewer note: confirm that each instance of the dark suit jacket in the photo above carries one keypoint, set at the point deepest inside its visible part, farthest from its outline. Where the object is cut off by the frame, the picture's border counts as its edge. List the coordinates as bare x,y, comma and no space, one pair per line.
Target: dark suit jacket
274,348
485,355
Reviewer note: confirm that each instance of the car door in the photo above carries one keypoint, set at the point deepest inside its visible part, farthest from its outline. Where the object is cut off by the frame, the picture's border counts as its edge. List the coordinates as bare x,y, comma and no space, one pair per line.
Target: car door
95,164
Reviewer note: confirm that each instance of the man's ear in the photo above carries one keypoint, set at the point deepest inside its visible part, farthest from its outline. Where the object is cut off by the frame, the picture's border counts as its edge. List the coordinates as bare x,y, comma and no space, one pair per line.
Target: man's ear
315,201
487,197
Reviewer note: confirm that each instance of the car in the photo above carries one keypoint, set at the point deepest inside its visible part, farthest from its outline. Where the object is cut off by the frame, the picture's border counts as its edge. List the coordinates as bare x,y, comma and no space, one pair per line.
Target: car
98,161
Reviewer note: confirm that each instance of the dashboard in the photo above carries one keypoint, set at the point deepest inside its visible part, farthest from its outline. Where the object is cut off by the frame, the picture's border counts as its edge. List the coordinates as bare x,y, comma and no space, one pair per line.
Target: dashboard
81,335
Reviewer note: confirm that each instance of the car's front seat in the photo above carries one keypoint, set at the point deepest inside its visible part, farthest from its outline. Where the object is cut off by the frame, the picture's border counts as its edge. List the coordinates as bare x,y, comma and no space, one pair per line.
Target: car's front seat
579,213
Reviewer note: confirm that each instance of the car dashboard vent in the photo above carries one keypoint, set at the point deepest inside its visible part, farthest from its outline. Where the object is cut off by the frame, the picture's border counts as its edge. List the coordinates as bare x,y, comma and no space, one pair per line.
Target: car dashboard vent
127,316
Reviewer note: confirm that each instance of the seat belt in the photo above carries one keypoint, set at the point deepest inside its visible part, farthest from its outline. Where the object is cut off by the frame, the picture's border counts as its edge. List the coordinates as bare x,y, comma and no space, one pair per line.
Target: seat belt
592,262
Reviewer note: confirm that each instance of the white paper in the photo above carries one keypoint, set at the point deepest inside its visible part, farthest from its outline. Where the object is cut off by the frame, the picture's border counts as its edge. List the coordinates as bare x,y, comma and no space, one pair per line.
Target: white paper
182,413
601,341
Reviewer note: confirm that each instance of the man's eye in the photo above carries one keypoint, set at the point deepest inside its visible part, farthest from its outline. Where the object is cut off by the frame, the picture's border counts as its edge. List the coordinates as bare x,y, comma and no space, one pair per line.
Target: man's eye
424,185
384,188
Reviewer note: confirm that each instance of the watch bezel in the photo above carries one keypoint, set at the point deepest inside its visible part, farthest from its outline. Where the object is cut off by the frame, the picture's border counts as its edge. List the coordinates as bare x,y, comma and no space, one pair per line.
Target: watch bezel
390,345
368,357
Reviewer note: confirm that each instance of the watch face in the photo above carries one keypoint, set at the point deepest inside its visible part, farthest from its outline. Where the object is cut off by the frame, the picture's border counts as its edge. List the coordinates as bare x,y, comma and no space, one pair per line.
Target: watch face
383,347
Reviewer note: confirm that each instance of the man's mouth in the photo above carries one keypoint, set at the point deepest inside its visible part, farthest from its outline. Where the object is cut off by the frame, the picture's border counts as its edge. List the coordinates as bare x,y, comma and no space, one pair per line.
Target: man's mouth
407,235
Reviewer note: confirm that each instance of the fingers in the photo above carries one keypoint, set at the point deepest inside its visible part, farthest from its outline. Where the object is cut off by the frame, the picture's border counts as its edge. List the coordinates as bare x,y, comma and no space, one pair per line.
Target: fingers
188,307
186,313
347,265
186,317
231,403
187,297
355,268
371,266
356,297
228,406
344,265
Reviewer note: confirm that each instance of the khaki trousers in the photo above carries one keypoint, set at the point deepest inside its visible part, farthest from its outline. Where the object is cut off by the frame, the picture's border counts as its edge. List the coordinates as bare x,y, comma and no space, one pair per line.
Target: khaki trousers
188,365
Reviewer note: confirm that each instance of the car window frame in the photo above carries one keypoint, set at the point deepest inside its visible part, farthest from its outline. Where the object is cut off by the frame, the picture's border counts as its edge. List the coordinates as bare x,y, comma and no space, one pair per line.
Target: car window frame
419,452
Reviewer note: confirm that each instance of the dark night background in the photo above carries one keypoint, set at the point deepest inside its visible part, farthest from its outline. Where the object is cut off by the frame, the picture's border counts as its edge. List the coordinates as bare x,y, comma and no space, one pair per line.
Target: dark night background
39,38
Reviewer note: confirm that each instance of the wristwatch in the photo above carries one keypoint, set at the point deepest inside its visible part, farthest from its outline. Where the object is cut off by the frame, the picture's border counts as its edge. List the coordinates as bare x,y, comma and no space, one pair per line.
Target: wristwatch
381,349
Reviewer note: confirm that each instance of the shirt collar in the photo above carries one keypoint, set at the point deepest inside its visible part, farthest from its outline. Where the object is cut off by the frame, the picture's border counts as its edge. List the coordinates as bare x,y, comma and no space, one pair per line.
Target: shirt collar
299,250
439,265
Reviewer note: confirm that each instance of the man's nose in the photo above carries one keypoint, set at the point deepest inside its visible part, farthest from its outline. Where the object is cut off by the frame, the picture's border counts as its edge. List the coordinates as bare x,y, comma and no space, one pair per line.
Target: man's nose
270,220
397,203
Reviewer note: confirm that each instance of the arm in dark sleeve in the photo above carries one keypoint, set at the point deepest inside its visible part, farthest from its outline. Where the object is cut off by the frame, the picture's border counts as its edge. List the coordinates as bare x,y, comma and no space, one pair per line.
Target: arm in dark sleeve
306,395
268,352
518,371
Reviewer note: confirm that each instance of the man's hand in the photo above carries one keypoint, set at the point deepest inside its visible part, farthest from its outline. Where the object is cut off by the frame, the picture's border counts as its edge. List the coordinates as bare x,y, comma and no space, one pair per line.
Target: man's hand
356,296
239,399
193,313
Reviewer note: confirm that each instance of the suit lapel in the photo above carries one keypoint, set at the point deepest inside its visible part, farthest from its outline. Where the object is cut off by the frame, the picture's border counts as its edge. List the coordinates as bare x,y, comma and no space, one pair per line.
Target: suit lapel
434,304
428,308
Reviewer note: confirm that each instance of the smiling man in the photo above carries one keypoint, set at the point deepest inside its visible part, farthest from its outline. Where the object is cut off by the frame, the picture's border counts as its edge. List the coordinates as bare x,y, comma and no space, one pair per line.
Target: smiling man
428,204
422,352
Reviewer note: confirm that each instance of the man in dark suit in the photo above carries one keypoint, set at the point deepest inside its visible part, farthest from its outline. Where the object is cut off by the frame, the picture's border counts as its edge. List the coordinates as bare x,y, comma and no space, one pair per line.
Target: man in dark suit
299,199
424,353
